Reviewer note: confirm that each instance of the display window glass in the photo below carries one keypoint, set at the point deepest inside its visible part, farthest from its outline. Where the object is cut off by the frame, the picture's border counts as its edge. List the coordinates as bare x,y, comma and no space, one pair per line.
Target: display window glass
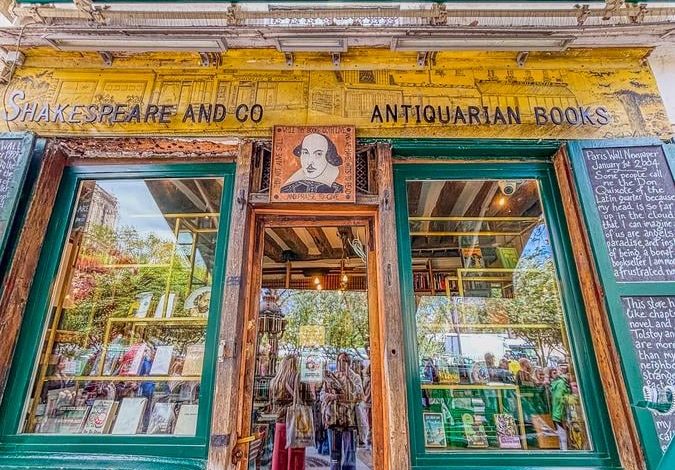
123,345
494,361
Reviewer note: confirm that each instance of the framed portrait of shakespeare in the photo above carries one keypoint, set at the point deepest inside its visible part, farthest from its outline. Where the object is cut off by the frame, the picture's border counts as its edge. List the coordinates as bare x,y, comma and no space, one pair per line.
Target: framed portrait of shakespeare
313,164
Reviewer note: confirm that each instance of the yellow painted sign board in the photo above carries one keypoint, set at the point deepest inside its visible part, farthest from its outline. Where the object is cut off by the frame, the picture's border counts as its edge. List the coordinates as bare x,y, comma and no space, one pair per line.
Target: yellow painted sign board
567,95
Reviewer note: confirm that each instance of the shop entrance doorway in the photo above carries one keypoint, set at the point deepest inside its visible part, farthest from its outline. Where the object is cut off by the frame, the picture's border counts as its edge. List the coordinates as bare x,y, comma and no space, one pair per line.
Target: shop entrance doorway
313,362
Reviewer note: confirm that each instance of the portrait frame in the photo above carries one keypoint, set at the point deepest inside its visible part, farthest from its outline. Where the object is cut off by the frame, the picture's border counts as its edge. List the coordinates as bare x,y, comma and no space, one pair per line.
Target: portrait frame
313,164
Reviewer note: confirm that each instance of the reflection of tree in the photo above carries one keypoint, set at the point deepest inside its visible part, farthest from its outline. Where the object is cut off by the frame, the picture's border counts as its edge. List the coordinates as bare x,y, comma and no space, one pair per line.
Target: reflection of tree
537,302
103,287
434,321
343,315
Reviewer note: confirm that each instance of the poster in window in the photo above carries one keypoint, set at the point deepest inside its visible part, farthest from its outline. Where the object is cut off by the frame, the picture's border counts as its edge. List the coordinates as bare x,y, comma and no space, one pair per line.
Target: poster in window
434,430
311,368
313,164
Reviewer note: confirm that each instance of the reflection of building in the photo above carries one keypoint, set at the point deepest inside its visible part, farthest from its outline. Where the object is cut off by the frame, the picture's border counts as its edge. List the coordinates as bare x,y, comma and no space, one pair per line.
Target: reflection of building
103,210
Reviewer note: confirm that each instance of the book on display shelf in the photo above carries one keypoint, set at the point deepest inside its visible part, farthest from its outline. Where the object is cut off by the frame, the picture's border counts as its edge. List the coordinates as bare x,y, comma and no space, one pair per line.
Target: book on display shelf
194,359
507,432
101,417
132,359
129,416
434,430
186,423
474,431
162,360
162,418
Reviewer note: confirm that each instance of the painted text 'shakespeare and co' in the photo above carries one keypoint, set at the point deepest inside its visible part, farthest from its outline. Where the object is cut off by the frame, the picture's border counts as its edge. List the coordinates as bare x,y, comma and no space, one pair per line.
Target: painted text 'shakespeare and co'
19,110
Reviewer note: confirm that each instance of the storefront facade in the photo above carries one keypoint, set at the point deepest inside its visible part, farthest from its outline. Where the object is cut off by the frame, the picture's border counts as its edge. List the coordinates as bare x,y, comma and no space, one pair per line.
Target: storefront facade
471,170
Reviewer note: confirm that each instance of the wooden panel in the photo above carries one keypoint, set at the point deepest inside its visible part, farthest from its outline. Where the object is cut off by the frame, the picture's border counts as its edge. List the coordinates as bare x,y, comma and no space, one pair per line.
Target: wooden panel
263,199
146,150
19,279
226,389
614,388
395,420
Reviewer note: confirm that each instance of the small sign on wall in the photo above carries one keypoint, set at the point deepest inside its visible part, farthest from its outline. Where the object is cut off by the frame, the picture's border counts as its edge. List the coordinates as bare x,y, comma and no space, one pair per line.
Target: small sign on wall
313,164
15,154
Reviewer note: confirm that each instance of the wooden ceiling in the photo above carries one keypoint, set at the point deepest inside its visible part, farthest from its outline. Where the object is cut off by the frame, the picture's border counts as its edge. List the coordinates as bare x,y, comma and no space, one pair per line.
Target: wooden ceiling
199,196
298,244
467,199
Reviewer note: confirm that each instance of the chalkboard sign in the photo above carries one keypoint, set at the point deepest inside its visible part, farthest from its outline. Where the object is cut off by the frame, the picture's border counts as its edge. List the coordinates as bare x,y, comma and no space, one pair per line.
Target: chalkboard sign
635,196
15,152
652,326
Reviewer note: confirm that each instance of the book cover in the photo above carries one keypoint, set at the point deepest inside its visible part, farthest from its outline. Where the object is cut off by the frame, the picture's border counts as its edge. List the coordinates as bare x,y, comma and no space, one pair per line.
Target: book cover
112,359
164,308
162,360
508,257
71,419
194,358
507,433
434,430
474,432
129,416
547,437
162,418
131,361
144,300
186,423
473,257
100,417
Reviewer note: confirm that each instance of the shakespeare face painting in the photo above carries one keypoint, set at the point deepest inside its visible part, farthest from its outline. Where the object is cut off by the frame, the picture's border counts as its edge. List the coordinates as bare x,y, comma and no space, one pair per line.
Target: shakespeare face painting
313,164
320,167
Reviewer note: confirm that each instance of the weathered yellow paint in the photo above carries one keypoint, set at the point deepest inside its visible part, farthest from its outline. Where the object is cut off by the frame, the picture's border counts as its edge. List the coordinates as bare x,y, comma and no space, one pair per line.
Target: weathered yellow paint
314,92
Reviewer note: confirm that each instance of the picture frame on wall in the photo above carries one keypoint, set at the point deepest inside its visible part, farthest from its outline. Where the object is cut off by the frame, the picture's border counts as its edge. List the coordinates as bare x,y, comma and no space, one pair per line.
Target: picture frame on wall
313,164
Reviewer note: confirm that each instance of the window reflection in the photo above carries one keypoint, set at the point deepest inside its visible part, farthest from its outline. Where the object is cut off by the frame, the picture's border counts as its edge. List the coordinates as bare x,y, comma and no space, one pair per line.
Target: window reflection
123,348
494,360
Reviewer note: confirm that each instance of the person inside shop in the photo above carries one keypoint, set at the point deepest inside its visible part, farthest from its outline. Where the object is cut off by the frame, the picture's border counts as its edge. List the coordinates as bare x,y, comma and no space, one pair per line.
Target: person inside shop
560,391
367,403
429,371
341,394
282,392
429,375
504,375
524,377
320,167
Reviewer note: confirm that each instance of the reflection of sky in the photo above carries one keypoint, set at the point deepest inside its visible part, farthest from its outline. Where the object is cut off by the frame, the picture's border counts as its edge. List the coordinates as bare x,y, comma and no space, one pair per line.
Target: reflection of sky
537,250
137,208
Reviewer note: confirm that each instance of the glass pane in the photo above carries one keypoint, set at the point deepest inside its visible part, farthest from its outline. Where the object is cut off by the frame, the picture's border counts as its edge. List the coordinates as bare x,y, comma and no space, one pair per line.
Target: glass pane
495,366
123,347
312,403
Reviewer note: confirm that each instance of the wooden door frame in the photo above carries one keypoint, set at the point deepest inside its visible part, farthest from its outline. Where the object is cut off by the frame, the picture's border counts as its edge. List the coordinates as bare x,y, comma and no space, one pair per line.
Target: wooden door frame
228,403
290,216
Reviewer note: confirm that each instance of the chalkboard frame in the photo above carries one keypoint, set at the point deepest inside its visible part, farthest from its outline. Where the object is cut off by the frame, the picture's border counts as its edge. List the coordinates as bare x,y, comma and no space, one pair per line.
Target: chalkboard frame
615,290
18,178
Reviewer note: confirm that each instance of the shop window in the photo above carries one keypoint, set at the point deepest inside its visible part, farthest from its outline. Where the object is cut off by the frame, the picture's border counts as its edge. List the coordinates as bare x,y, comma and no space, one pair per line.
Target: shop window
123,345
494,366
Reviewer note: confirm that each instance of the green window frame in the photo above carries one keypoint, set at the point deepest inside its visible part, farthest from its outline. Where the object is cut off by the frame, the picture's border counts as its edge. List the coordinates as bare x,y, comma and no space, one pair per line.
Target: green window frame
163,449
604,454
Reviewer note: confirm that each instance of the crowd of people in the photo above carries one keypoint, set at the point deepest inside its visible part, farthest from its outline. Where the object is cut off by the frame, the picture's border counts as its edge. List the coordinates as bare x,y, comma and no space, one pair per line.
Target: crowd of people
341,405
548,391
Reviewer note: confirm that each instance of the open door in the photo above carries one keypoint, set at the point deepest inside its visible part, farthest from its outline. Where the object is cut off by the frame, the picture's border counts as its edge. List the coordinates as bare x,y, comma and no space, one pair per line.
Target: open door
312,358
